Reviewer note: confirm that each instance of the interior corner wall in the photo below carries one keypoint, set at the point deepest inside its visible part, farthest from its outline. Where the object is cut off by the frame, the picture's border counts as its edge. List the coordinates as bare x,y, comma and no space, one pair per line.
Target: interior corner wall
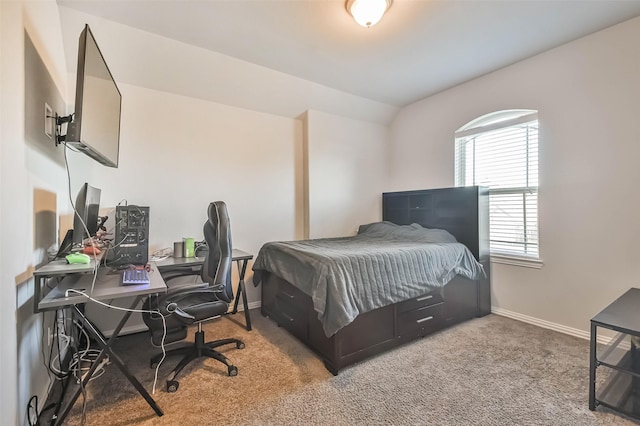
304,163
587,93
347,170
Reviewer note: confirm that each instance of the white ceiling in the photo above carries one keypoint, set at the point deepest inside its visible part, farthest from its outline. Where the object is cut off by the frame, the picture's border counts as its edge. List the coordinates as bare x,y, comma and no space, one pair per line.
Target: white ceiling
419,48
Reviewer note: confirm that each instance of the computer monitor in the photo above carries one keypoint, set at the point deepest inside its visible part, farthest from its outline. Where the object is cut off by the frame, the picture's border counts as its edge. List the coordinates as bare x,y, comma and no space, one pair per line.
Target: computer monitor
87,206
95,125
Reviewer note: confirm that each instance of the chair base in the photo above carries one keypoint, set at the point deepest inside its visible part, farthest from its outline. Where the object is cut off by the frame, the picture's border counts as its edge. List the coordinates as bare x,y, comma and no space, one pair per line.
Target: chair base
198,349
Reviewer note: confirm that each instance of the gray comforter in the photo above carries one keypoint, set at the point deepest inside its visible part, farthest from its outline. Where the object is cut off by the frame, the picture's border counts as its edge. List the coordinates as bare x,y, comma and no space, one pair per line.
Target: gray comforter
384,264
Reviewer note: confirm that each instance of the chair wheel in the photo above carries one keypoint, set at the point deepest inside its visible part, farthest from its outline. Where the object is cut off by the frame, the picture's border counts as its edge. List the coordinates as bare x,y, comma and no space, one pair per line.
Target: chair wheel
239,345
172,385
233,370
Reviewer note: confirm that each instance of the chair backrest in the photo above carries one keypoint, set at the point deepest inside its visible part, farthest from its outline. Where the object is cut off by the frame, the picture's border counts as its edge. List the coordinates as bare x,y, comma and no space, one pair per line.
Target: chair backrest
216,269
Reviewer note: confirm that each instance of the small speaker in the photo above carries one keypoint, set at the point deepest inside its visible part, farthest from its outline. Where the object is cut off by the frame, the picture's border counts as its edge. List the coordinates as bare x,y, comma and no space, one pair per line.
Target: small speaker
131,240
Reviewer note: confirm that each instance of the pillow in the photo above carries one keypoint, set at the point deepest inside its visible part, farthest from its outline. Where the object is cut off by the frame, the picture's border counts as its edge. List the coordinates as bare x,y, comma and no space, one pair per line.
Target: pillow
377,228
413,232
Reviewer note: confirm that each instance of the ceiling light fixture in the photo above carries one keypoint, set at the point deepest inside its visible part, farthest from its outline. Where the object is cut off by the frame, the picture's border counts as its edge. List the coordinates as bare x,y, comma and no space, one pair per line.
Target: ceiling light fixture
368,12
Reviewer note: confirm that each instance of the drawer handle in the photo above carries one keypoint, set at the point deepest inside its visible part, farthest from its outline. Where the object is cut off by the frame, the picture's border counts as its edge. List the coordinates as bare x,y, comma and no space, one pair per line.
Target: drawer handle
421,320
422,299
284,293
287,317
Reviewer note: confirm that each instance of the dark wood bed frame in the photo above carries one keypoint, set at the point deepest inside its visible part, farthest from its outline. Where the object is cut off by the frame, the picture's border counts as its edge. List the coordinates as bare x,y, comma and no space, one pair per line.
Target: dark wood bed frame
464,212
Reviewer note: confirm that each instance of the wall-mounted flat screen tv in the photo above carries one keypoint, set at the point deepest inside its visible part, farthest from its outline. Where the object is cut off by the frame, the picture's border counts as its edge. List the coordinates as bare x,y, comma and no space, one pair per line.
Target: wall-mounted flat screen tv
95,128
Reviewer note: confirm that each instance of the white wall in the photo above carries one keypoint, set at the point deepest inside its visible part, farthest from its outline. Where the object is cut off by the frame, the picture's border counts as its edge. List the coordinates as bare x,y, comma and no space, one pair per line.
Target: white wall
347,170
587,93
178,154
23,169
10,18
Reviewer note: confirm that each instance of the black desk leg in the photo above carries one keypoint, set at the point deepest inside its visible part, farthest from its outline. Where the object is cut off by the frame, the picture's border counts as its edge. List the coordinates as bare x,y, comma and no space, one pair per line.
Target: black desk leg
58,406
37,290
242,268
592,368
106,350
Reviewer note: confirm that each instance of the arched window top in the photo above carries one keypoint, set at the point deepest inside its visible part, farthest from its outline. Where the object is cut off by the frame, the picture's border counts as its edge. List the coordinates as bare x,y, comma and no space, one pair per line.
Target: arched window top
496,120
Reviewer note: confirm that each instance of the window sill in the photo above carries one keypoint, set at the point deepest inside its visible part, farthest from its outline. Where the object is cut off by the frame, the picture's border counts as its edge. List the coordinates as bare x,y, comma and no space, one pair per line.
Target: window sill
525,262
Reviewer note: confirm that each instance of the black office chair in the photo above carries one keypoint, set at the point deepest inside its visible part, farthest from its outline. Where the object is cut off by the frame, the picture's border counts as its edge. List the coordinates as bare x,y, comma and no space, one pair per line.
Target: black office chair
184,306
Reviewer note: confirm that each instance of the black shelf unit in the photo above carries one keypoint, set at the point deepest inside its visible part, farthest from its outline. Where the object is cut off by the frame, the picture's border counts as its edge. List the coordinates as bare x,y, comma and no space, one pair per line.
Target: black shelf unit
619,361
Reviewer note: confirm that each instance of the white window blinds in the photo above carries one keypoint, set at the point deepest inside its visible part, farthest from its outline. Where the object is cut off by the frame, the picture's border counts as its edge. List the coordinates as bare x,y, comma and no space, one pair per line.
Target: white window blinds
500,151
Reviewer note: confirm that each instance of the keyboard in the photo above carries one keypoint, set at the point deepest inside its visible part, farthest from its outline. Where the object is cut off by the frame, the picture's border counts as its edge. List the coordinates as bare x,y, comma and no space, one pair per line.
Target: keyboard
135,276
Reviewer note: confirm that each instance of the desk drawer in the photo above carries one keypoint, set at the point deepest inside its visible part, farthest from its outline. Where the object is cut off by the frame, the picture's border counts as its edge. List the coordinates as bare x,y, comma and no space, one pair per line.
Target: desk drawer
420,322
428,299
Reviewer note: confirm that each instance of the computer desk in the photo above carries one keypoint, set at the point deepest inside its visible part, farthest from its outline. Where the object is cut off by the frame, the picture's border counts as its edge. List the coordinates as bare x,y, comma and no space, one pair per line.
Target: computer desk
192,265
108,286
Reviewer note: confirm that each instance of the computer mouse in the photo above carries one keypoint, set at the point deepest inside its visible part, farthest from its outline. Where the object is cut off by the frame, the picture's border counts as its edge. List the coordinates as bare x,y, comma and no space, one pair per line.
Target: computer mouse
78,258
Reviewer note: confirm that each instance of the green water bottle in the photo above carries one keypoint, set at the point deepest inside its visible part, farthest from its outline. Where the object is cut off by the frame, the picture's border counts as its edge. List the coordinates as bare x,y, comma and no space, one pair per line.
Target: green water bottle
189,247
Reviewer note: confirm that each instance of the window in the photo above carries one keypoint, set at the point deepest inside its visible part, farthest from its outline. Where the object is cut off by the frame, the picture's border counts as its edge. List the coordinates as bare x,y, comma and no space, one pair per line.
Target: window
500,151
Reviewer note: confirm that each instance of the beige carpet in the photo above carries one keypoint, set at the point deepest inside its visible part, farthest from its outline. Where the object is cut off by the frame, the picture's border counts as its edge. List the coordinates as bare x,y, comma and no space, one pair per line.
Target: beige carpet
488,371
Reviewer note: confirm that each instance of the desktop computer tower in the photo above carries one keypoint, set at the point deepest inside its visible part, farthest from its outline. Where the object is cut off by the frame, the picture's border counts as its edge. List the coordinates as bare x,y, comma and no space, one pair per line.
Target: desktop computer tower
131,239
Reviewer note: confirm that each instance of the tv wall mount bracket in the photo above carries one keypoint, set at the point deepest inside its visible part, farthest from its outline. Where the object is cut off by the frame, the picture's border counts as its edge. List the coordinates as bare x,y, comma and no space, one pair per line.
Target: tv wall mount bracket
60,120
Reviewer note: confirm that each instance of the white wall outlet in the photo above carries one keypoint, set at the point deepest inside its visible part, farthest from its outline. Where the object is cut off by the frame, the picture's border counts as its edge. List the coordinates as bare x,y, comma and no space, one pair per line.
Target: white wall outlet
49,121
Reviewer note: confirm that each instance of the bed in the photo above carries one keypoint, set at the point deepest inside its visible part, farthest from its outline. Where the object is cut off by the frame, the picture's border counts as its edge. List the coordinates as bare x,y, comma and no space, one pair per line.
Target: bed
424,268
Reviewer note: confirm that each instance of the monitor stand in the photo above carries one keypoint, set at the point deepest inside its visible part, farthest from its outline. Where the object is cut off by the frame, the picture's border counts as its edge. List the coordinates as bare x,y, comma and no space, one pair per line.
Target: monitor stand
66,245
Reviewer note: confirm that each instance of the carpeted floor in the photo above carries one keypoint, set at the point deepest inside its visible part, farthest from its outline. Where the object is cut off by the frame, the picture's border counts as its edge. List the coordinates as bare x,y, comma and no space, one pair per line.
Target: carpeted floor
487,371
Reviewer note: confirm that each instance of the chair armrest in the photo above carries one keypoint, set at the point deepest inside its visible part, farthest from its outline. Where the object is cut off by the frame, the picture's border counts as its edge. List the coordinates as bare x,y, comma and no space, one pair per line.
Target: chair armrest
169,303
183,316
181,271
178,288
187,290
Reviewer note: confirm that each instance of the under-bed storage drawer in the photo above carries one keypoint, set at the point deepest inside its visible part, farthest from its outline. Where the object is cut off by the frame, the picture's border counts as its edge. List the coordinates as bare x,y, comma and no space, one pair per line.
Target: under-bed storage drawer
432,298
420,322
288,306
293,312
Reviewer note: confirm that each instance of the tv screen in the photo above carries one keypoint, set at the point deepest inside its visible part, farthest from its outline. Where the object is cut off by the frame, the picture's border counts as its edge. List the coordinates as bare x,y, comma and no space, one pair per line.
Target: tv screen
86,215
95,128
